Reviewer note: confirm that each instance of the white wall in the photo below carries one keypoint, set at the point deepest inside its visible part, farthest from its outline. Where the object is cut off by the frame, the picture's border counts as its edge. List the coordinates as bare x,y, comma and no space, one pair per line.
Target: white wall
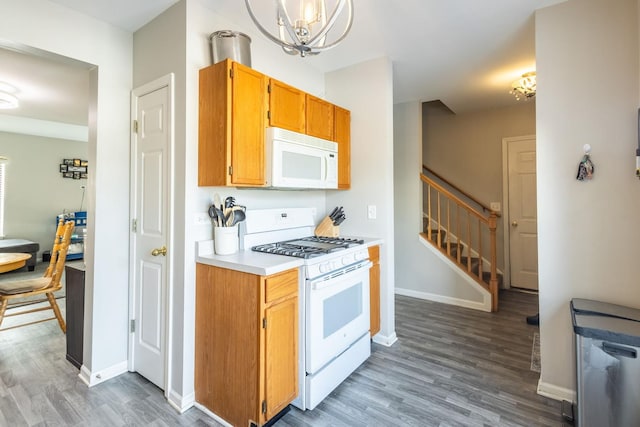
420,273
178,42
50,27
587,67
366,89
36,191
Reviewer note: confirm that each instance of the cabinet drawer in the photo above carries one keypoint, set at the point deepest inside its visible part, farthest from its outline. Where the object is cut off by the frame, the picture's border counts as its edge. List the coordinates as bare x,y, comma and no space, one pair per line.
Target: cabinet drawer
281,285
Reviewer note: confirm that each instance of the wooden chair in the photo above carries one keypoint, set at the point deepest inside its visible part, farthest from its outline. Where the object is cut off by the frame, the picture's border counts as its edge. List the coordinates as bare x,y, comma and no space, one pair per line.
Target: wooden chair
47,284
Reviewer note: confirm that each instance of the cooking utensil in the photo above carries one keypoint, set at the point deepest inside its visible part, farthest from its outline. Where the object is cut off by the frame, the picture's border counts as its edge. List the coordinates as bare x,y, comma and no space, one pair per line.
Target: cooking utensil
213,214
229,202
237,216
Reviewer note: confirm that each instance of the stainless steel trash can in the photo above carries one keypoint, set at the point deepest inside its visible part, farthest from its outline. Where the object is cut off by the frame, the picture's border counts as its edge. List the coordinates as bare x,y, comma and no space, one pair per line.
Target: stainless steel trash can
231,44
607,340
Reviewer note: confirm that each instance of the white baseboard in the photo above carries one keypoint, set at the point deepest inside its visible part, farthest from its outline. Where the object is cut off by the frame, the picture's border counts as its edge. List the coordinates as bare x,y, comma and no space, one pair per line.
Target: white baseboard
476,305
385,340
180,403
212,415
95,378
555,392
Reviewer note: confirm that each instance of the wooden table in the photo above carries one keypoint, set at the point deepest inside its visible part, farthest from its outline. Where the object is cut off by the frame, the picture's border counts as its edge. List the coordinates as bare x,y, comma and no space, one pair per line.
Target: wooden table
12,261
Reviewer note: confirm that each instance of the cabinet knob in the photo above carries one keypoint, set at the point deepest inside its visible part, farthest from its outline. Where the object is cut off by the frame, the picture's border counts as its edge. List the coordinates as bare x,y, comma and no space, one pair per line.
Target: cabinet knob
159,251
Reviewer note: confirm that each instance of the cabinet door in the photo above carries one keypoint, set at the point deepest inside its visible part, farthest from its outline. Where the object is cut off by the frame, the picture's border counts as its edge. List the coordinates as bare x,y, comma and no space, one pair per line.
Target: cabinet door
248,126
281,355
286,106
343,138
214,131
374,290
320,120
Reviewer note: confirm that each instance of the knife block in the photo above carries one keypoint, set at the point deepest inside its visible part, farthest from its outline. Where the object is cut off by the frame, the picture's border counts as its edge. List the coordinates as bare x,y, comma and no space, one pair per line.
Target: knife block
327,229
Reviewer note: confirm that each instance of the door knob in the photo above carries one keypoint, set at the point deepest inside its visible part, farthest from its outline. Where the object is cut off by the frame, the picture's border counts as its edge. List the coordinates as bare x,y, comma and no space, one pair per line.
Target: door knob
159,251
514,223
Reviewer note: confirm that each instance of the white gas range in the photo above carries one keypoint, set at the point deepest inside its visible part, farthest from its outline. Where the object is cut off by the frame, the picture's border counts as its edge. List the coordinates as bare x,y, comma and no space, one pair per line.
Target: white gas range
333,291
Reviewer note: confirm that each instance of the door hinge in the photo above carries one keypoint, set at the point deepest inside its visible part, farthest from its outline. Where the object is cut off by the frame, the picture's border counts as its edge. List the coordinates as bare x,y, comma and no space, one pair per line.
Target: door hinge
132,326
231,73
264,323
230,170
269,115
268,88
134,225
135,126
264,406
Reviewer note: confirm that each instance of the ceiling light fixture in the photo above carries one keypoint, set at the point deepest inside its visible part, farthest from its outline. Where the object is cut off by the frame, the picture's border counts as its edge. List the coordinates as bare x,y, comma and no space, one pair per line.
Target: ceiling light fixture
524,87
303,25
8,101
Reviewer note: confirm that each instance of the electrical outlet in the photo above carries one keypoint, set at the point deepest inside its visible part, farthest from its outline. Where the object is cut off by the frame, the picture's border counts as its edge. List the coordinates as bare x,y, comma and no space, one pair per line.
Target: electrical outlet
495,206
202,218
371,212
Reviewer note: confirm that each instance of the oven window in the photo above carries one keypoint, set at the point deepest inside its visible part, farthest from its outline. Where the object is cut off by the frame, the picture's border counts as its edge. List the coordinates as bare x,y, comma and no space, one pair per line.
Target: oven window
341,309
301,166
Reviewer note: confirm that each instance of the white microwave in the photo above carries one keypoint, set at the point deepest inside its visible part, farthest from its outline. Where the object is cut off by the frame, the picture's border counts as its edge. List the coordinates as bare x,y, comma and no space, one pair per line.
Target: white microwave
295,160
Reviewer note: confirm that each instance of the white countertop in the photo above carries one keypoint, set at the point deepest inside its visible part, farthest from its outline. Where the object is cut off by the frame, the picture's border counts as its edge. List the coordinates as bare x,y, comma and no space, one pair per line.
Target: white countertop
252,262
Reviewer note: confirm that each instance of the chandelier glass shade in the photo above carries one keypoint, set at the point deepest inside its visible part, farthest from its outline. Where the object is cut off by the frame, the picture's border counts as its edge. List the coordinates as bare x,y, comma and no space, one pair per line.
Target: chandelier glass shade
8,101
524,87
302,26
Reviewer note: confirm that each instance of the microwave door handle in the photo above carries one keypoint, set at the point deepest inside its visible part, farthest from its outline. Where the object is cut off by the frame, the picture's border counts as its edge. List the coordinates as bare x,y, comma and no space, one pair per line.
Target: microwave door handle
325,167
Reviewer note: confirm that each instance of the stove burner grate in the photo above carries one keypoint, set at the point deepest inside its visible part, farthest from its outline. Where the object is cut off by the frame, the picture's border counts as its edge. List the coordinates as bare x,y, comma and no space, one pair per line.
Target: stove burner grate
308,247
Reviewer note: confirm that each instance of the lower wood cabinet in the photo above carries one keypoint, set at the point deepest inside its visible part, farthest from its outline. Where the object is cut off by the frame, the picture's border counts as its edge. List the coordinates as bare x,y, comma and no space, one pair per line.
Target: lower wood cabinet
374,290
246,343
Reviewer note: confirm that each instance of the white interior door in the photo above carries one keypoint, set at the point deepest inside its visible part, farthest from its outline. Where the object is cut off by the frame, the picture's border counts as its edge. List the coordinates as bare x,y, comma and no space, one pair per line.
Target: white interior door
151,151
523,221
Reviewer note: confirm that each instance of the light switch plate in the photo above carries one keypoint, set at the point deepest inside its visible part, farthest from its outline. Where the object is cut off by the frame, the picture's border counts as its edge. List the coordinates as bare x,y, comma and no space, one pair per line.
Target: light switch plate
202,218
371,212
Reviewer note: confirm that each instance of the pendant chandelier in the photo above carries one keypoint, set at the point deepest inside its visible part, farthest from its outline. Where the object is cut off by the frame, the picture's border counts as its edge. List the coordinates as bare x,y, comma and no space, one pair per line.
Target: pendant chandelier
303,25
524,87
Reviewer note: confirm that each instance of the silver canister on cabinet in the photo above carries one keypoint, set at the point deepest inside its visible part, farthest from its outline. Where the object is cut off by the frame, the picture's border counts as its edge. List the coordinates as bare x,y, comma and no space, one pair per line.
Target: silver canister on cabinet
231,44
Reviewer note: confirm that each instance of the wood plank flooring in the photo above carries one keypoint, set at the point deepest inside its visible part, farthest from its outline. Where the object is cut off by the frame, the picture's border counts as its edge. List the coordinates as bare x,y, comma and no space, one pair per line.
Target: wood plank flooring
450,367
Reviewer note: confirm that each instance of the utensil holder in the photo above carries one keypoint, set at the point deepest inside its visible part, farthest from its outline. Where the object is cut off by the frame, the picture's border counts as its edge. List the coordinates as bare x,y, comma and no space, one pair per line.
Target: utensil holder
225,240
327,229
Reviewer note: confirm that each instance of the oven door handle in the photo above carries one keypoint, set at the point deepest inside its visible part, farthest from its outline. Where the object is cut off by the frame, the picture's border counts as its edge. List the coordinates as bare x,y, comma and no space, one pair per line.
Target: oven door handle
328,280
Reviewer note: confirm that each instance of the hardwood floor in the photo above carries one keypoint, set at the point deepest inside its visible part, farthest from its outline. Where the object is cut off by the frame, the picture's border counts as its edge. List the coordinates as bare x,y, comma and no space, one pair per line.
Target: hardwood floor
451,366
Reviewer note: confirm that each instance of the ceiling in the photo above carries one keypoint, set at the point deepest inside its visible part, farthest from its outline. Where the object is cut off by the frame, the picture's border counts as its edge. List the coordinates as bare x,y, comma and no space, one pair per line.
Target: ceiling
465,53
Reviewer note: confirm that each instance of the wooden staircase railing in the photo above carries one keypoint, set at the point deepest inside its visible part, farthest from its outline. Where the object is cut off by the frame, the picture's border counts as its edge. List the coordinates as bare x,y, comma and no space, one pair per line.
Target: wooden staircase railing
471,230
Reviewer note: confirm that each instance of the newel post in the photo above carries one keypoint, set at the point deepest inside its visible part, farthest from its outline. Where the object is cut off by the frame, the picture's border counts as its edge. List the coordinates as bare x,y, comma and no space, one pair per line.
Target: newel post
493,282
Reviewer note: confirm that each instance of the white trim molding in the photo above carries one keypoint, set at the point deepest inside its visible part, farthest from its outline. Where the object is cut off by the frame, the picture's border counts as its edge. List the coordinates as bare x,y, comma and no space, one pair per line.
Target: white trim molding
181,403
95,378
555,392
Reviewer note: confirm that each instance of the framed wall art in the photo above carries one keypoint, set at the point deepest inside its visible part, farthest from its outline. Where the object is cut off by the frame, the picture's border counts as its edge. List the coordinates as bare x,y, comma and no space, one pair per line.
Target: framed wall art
74,168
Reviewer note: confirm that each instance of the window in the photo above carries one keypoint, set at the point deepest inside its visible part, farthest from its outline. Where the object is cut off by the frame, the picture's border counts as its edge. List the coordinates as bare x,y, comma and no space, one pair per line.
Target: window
3,168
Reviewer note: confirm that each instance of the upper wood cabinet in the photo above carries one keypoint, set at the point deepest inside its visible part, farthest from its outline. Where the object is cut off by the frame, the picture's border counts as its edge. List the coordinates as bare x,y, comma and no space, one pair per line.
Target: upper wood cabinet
342,132
320,118
246,343
237,104
231,134
286,106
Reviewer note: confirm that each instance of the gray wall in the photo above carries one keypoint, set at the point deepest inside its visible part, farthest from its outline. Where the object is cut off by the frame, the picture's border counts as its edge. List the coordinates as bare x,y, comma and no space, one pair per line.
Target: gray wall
587,65
35,190
466,149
